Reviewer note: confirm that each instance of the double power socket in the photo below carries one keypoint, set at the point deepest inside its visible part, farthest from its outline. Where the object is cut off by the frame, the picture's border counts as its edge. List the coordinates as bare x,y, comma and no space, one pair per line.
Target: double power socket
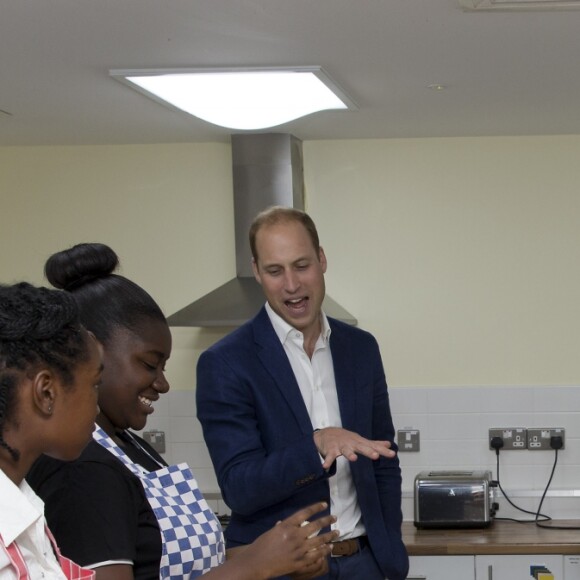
534,439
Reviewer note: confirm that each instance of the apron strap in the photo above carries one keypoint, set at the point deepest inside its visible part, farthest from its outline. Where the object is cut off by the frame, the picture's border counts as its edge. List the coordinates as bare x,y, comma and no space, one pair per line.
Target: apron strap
71,570
17,560
107,442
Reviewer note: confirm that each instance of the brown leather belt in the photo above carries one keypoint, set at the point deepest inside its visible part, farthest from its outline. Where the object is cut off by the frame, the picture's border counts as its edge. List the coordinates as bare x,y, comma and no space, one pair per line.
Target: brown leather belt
348,547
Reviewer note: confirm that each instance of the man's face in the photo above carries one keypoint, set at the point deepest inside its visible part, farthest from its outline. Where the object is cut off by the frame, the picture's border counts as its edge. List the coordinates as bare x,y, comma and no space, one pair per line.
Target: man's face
291,274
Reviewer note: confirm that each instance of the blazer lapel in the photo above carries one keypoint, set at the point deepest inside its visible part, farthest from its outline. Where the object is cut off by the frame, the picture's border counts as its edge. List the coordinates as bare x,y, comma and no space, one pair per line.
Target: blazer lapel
344,376
272,355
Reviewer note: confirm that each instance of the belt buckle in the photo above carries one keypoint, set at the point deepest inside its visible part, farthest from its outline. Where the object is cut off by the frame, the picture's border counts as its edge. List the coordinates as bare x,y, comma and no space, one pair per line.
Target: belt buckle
348,547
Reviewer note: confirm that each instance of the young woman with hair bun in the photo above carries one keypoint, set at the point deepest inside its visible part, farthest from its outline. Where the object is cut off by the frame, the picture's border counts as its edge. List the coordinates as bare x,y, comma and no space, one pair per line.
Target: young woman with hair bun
120,509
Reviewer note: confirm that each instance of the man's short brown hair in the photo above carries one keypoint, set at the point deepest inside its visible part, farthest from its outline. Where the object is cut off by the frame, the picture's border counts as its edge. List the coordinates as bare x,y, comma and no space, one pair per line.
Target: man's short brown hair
278,215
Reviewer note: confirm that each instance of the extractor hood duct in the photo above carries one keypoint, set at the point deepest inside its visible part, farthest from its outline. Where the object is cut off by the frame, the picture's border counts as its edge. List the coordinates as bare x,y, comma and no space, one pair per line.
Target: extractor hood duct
267,170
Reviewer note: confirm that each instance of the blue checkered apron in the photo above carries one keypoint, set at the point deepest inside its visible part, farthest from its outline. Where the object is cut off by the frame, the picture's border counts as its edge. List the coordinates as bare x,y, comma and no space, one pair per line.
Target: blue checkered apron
192,536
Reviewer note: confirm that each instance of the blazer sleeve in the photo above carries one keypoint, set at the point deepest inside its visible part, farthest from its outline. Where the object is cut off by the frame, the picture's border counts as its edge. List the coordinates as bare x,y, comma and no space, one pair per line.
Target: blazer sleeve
392,555
260,459
388,472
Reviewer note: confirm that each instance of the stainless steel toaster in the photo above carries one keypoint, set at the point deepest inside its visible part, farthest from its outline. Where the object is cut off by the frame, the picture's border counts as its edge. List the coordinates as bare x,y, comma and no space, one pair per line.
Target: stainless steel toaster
454,499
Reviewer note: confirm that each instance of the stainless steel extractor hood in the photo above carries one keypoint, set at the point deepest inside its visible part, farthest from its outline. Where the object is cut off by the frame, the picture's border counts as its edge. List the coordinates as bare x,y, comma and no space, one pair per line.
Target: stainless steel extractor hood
267,170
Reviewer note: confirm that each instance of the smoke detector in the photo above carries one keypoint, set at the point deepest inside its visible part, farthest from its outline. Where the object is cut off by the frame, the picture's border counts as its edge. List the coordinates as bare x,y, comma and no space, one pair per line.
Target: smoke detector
518,5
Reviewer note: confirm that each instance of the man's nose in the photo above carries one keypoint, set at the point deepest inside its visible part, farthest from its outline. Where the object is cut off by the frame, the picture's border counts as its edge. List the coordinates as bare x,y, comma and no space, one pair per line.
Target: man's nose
291,281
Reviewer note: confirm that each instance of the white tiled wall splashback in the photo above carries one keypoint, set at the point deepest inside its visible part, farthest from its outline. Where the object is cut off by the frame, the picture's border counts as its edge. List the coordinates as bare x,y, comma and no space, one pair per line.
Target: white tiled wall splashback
453,423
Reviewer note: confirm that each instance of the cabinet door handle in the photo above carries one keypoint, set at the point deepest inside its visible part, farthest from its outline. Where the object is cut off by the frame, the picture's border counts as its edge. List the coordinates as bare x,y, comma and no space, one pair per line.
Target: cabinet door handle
417,577
490,572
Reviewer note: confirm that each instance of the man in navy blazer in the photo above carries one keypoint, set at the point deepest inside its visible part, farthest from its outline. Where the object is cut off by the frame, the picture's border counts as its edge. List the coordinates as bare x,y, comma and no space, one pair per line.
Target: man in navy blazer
295,410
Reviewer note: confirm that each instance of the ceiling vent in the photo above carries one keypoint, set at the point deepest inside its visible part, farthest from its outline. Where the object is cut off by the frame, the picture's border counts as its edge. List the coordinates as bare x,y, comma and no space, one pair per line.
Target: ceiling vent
518,5
267,170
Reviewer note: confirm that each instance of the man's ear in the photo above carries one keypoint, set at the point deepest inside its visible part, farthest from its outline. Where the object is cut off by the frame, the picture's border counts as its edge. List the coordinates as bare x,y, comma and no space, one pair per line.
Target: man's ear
44,389
322,258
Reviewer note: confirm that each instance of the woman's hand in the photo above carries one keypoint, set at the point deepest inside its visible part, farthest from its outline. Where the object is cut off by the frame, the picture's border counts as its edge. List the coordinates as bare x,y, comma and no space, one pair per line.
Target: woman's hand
291,546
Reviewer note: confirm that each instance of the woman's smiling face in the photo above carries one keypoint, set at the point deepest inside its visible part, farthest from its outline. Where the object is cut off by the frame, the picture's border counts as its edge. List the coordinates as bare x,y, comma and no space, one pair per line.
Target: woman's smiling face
133,375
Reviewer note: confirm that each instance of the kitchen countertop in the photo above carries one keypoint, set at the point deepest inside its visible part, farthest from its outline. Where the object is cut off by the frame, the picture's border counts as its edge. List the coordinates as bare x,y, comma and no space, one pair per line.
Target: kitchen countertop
502,537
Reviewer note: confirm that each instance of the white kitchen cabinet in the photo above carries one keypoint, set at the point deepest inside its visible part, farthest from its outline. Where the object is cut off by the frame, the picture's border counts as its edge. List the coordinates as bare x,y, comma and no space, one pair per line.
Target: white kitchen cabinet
518,567
441,568
571,567
494,567
456,554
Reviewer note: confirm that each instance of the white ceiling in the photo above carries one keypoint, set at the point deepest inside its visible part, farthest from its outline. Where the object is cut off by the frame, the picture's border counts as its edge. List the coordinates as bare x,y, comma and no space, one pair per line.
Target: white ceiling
507,73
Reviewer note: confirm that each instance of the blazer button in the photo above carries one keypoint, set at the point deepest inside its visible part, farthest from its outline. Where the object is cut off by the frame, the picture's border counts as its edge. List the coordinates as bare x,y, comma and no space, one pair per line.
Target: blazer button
306,479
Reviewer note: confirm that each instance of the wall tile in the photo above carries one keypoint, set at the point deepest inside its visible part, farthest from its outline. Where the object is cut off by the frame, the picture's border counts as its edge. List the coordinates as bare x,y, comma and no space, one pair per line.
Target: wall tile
556,399
186,430
182,403
408,400
195,455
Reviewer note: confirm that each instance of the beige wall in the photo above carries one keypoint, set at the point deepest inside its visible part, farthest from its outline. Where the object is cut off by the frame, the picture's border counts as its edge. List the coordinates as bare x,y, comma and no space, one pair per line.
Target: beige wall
460,255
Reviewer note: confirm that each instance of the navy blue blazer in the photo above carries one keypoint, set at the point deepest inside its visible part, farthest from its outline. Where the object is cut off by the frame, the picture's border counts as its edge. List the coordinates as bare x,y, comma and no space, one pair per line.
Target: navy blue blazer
259,434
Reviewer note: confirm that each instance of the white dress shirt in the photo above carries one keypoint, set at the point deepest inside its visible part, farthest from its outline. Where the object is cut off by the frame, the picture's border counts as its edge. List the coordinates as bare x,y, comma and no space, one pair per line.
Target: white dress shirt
315,377
22,521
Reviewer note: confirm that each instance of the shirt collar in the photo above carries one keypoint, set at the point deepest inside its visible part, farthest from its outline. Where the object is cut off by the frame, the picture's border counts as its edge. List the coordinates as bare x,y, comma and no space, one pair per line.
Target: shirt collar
20,508
283,329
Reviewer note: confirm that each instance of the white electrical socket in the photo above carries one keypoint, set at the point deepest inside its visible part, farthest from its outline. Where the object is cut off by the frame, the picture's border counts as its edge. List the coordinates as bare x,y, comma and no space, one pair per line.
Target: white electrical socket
539,438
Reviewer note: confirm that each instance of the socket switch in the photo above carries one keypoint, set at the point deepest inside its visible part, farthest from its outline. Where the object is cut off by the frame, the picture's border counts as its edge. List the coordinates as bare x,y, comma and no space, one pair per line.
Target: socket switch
539,437
156,439
512,437
408,440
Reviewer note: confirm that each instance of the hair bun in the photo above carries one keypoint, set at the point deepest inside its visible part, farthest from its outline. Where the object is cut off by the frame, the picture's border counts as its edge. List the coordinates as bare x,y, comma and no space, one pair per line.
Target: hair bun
83,263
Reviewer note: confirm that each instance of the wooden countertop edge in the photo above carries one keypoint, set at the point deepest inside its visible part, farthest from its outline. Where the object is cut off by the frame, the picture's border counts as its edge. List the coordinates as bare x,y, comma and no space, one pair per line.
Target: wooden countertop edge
502,538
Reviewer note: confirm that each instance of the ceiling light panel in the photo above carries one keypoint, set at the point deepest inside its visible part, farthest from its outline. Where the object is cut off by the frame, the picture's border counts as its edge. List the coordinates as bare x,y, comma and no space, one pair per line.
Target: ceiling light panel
242,99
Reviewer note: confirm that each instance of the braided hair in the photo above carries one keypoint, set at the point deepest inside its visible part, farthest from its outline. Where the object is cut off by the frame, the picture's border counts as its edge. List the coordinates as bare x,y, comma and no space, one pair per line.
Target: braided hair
38,327
106,301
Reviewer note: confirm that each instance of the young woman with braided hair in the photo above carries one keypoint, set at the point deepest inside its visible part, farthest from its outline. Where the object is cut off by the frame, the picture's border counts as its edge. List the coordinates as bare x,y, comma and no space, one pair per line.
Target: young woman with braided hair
120,509
50,367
